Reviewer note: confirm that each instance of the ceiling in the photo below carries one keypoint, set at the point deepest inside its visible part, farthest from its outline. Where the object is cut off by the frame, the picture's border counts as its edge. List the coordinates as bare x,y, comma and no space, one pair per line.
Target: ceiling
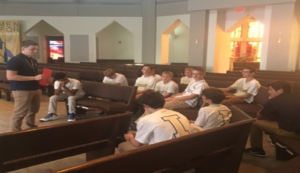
103,2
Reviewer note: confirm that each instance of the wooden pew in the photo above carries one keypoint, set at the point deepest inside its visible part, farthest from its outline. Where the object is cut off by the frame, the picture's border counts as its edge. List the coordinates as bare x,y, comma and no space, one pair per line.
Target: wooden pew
113,98
4,85
286,148
216,150
97,137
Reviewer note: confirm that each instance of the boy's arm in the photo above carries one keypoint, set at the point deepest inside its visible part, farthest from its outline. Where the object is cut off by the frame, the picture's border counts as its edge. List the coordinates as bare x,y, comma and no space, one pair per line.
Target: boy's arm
244,96
130,138
226,89
183,98
167,95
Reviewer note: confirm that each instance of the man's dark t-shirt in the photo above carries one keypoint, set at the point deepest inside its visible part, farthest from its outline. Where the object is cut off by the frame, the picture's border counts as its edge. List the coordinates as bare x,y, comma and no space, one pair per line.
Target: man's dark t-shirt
286,108
25,67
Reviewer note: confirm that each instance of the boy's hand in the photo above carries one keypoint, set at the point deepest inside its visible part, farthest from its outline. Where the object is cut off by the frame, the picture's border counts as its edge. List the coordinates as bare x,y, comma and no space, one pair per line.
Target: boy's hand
128,136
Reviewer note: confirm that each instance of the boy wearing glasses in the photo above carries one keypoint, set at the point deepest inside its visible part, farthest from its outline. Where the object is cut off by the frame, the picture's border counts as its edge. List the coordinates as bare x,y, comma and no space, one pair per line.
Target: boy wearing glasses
246,88
189,98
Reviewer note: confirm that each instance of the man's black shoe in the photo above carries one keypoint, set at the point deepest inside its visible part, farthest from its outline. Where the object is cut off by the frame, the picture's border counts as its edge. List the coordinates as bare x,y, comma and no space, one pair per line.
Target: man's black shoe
259,152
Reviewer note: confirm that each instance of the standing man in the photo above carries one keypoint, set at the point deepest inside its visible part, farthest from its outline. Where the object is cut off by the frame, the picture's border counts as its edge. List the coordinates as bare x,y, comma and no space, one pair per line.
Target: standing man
23,77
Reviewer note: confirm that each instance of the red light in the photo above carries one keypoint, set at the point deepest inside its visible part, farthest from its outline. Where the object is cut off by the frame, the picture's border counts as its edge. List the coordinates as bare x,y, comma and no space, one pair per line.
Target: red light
239,9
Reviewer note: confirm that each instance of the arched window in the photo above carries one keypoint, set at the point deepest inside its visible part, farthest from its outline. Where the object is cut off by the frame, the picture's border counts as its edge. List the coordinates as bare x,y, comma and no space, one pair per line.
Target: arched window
246,42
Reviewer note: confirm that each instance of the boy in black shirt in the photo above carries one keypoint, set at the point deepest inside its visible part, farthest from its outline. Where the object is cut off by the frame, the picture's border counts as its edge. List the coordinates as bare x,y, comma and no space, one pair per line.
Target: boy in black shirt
285,106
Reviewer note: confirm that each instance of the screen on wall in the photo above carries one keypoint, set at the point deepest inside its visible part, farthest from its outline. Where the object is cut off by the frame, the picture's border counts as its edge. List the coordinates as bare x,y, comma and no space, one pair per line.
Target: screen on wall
56,49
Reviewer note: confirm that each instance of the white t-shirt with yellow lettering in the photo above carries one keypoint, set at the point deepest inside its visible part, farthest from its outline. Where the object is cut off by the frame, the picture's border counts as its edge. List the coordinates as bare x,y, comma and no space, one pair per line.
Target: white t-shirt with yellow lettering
160,126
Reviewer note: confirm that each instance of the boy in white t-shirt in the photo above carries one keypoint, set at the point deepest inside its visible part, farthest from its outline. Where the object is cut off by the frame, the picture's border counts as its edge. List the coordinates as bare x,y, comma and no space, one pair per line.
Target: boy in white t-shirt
246,88
166,86
187,78
64,88
146,82
159,125
215,114
189,98
111,77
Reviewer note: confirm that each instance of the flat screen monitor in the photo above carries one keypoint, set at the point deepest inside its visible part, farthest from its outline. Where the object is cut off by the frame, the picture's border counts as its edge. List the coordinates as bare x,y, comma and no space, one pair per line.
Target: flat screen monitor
56,49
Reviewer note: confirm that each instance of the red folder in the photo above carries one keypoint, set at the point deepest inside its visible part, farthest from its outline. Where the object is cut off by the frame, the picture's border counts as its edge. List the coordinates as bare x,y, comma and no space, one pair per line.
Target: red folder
47,74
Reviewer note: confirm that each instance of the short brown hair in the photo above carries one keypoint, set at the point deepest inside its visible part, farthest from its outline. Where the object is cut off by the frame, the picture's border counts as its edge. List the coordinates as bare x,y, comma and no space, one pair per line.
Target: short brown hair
152,99
27,43
167,73
188,68
251,69
201,69
214,94
109,72
280,84
147,66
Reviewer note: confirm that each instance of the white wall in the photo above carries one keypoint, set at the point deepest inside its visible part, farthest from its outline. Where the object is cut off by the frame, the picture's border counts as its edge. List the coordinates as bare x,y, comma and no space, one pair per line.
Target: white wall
51,9
163,23
115,42
41,30
194,5
179,44
277,55
175,8
232,17
85,26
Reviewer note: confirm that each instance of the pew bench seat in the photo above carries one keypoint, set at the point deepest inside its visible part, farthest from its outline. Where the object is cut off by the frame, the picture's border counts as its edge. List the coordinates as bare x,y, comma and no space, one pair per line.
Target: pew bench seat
111,98
286,148
4,85
259,101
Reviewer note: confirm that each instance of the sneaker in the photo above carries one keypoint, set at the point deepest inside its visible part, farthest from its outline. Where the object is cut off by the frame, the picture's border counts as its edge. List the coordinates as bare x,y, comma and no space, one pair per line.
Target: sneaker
259,152
71,117
49,117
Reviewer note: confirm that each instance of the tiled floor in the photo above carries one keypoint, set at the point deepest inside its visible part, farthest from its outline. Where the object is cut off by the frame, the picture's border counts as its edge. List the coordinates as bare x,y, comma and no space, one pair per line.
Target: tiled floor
249,164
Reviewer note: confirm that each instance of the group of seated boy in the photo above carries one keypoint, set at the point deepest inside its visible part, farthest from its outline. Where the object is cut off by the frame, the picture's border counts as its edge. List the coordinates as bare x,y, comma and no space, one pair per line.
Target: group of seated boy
158,96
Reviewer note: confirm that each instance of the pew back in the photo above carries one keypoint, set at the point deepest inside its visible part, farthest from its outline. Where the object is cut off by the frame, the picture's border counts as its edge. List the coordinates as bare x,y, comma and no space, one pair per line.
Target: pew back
30,147
215,150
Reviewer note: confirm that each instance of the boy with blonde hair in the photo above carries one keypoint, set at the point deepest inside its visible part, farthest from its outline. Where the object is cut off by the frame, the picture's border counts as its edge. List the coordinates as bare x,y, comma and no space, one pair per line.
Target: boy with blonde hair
166,86
187,76
111,77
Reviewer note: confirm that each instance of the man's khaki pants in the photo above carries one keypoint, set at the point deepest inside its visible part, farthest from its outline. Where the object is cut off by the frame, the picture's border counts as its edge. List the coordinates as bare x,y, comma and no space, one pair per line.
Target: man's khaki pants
27,104
256,133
